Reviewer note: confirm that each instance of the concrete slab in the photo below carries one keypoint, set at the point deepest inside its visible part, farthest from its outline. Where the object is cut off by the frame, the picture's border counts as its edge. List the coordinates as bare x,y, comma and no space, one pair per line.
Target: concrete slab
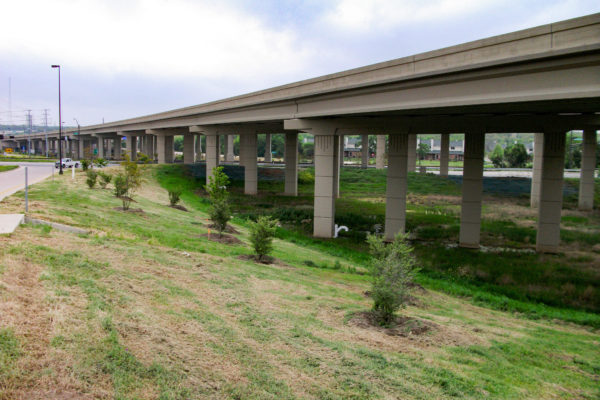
10,222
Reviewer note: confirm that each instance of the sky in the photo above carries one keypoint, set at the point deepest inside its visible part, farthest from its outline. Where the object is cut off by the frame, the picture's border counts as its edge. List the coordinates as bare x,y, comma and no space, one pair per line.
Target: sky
126,58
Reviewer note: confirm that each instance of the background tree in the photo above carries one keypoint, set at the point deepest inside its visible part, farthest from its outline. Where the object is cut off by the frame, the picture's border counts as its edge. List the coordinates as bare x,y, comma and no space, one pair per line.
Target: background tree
516,155
497,156
422,151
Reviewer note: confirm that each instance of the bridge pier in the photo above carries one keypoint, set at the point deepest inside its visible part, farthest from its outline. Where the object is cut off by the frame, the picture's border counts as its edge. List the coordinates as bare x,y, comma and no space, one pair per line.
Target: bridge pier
198,145
212,154
132,147
588,165
291,164
327,153
188,148
380,152
117,147
364,151
470,215
396,186
248,153
229,156
551,192
412,152
268,149
444,154
536,172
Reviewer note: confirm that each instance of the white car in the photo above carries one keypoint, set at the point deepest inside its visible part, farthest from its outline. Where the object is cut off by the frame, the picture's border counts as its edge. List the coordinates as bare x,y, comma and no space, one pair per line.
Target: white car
67,163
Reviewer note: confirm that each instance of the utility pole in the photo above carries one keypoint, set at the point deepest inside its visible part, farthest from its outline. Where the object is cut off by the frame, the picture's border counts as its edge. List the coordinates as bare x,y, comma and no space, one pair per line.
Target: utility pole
46,129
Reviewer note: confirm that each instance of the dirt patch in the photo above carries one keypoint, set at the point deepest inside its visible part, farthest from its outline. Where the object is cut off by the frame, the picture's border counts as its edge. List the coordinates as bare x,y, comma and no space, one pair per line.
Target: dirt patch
179,207
228,229
402,326
130,210
267,260
225,239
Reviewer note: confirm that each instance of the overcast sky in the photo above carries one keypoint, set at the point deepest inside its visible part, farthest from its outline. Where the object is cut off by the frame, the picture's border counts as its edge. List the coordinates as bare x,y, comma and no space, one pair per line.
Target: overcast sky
126,58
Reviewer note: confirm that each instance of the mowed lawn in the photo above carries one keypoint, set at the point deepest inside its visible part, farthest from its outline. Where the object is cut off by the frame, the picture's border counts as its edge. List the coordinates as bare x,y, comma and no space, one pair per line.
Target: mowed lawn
144,307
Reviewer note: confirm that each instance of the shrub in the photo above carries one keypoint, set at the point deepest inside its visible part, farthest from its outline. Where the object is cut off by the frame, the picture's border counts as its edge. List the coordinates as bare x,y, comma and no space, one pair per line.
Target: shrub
174,196
497,157
261,235
144,158
120,185
393,268
104,179
306,177
85,164
516,155
220,212
127,182
100,162
92,176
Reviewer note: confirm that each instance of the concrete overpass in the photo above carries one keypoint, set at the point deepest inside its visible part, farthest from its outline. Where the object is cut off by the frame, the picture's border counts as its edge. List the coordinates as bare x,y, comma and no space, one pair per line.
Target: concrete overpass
544,80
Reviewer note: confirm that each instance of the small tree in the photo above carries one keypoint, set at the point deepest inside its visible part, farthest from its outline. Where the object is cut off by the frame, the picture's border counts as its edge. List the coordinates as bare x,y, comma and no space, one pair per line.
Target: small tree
130,181
100,162
220,212
422,151
261,235
516,155
120,184
91,179
497,156
174,196
393,268
104,179
85,164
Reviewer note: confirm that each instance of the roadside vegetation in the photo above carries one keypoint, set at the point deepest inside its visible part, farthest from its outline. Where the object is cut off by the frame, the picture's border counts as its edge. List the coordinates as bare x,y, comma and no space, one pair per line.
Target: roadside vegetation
144,306
4,168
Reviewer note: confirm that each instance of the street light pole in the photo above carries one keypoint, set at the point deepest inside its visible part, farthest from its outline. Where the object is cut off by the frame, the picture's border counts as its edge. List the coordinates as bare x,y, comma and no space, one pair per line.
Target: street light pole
60,171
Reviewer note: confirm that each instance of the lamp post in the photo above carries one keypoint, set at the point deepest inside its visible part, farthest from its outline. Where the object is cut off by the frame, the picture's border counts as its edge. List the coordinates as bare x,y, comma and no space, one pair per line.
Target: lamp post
60,171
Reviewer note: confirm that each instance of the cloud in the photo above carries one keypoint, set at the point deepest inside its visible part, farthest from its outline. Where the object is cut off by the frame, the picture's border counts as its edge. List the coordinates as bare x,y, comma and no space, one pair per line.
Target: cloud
150,37
378,15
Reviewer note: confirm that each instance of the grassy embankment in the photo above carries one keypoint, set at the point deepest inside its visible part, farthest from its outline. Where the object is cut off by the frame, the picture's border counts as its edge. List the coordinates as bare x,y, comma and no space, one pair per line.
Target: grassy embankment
142,307
4,168
520,281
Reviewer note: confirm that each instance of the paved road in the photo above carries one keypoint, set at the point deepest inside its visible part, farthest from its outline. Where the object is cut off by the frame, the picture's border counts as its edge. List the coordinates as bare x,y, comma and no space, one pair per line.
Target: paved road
13,181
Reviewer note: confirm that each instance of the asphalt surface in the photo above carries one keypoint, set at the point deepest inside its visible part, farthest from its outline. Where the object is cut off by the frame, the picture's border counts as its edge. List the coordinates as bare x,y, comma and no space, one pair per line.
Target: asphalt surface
14,180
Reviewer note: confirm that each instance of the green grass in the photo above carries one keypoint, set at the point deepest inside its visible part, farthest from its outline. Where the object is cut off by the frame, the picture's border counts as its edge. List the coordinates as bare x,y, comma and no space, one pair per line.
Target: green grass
4,168
156,311
529,284
24,158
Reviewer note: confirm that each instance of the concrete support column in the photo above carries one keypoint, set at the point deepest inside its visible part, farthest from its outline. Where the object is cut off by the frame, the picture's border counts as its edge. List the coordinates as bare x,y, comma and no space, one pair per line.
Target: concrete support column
551,192
149,146
340,153
470,215
132,147
249,154
395,205
198,147
536,173
588,165
291,164
268,149
380,153
81,149
326,163
364,151
444,154
188,149
100,147
212,154
117,147
164,148
229,148
412,152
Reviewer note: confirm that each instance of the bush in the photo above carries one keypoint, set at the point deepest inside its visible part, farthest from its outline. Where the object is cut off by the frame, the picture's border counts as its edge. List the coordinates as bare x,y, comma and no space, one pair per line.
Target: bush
393,268
497,157
144,158
174,196
120,184
261,235
100,162
516,156
92,176
306,177
220,212
85,164
104,179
